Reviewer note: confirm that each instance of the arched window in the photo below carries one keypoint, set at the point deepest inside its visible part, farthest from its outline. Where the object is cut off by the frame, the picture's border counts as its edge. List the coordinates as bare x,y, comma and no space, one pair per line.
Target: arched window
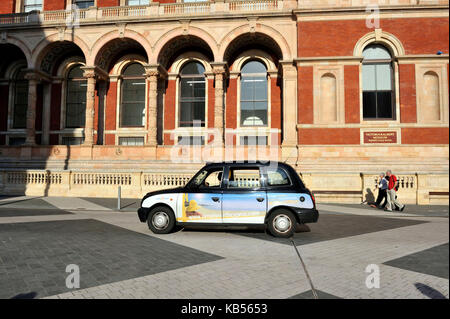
254,104
132,111
192,94
76,98
378,84
20,105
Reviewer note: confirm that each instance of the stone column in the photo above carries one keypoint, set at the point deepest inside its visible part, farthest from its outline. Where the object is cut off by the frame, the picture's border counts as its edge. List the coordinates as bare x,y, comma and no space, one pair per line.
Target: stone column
33,81
152,77
219,70
91,77
289,88
153,74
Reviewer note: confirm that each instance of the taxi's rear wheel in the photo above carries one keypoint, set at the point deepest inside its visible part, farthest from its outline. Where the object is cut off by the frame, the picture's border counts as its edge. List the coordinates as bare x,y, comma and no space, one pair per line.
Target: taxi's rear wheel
282,223
161,220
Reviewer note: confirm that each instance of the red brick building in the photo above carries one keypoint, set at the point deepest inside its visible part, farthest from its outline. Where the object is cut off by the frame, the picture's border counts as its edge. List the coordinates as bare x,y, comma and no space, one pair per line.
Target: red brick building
333,86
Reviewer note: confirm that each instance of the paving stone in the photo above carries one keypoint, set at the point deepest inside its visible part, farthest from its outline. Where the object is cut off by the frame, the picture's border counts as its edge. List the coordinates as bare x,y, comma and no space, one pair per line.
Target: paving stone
433,261
139,255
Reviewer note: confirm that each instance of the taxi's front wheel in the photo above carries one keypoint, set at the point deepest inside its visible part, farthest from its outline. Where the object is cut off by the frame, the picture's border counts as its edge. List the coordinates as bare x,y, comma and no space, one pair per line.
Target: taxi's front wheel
282,223
161,220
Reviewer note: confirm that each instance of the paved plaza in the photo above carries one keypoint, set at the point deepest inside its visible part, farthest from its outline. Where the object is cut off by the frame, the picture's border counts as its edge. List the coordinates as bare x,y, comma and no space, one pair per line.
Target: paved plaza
118,257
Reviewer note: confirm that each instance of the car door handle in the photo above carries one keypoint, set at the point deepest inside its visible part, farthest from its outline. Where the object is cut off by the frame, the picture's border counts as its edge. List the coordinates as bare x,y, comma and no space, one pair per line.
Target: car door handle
216,199
260,199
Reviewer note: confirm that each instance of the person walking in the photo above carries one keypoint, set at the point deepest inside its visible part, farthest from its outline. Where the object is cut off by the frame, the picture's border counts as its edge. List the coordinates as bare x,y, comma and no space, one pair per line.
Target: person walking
382,186
391,193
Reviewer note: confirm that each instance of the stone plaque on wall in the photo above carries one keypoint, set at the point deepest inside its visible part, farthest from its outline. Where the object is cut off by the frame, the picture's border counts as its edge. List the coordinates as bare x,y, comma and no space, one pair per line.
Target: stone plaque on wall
380,137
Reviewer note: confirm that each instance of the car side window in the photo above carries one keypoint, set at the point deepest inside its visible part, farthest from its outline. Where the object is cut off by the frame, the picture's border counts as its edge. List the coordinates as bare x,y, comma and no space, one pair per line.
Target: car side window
244,178
277,177
213,179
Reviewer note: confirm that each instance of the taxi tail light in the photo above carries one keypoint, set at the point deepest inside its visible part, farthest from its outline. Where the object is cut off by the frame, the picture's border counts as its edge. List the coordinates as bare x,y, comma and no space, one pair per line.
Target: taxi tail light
314,200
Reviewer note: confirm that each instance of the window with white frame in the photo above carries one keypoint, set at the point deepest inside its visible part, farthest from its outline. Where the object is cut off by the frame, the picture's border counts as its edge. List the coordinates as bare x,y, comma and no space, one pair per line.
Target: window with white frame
138,2
254,102
76,86
192,95
32,5
378,83
84,4
132,111
20,100
131,141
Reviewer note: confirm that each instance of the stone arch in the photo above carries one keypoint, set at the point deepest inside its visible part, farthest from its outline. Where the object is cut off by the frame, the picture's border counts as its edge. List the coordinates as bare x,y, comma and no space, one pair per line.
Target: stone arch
254,54
187,57
109,37
125,61
46,44
391,42
261,30
22,46
179,33
67,64
11,54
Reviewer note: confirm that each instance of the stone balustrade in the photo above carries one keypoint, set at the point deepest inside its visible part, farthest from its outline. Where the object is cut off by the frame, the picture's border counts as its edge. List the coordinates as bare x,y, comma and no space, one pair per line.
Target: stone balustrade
153,10
308,4
327,187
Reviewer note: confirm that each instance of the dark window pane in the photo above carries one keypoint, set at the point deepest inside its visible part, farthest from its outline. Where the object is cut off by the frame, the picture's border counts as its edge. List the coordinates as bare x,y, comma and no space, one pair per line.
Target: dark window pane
369,105
384,104
199,88
253,140
134,69
185,113
75,103
75,73
186,88
20,104
193,68
133,102
16,141
199,111
247,113
192,97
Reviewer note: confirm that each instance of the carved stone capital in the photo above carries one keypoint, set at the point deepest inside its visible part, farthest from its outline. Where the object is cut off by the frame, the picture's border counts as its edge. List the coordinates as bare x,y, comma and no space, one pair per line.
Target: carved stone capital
93,72
152,72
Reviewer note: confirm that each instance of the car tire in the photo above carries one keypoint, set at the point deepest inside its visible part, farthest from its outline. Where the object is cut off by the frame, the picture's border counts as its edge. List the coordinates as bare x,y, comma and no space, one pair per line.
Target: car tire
282,223
161,220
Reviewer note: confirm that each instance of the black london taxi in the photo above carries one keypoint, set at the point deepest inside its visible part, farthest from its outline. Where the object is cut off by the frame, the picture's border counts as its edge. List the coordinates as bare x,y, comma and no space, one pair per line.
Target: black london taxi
234,193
